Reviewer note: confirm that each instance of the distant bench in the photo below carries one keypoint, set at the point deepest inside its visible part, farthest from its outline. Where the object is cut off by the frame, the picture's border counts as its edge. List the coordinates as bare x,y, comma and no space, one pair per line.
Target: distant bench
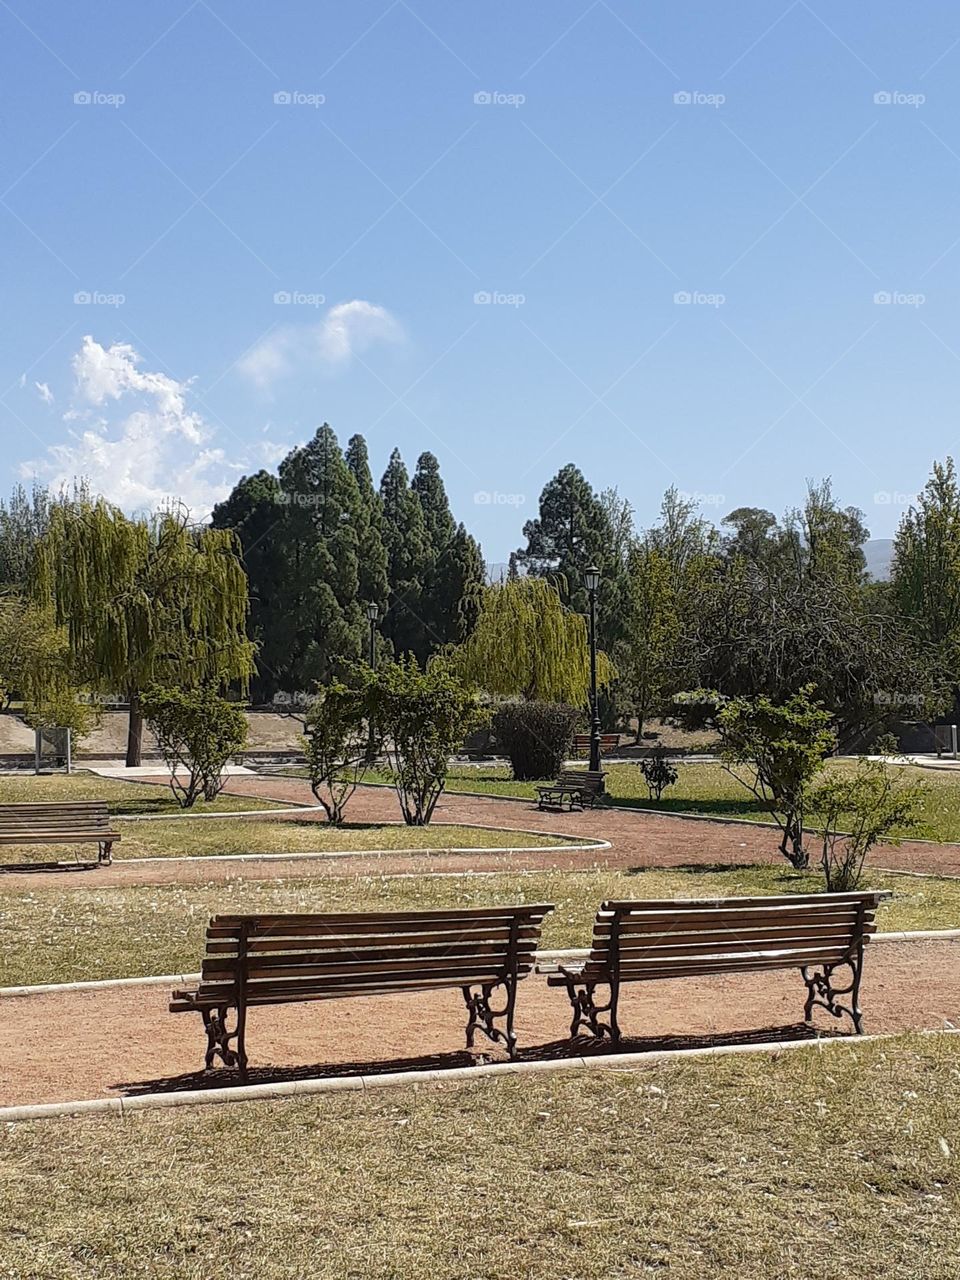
573,786
254,960
608,742
645,940
75,822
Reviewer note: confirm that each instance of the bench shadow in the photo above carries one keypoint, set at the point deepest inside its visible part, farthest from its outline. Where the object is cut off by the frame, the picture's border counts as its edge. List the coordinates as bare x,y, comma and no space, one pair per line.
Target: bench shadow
32,868
552,1051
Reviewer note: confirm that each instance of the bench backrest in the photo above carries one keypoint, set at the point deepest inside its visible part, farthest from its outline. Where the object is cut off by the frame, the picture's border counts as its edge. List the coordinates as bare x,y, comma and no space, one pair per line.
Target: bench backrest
607,740
277,959
660,938
77,816
583,778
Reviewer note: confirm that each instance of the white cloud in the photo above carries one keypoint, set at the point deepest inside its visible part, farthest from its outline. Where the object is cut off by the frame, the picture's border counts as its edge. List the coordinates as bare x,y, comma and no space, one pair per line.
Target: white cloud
132,435
346,330
46,395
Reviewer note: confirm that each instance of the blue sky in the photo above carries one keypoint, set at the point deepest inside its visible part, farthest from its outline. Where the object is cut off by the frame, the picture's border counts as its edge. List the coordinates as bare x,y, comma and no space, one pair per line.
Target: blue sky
720,246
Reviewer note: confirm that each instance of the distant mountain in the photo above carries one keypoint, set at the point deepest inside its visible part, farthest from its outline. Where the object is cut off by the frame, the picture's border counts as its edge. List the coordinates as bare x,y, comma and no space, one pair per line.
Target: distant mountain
879,556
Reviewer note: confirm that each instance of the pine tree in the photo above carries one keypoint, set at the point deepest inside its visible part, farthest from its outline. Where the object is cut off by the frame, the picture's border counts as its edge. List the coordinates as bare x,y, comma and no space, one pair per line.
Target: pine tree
321,624
254,512
455,574
374,587
408,559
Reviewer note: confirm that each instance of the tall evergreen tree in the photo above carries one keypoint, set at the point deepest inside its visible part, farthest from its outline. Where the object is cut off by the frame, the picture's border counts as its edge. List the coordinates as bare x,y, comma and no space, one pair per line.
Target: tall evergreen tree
255,511
455,574
926,565
322,625
374,587
408,558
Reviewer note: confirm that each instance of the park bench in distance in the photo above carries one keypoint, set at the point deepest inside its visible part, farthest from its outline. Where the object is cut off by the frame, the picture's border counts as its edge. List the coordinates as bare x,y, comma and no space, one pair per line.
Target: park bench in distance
255,960
608,742
73,822
662,938
575,786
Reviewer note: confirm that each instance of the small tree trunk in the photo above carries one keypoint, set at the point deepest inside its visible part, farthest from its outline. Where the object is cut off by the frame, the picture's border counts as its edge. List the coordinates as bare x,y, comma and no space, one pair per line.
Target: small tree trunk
792,847
135,732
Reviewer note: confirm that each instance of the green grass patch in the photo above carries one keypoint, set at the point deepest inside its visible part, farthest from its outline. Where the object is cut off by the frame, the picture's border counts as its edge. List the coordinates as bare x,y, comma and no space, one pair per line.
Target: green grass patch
72,934
709,790
830,1164
218,837
121,797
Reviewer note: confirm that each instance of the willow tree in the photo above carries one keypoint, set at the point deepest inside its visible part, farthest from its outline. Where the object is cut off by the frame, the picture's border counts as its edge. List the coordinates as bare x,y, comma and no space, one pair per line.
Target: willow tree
527,643
144,601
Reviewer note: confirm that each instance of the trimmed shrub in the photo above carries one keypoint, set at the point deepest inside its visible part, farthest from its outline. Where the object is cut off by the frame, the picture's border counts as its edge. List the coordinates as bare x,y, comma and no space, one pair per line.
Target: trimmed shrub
658,772
197,731
536,736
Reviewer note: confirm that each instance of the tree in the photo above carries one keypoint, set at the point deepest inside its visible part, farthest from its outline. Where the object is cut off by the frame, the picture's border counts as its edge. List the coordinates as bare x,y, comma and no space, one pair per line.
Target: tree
536,736
926,565
36,663
373,585
649,654
144,601
659,772
255,511
455,572
527,644
869,806
336,741
425,715
197,731
408,558
783,744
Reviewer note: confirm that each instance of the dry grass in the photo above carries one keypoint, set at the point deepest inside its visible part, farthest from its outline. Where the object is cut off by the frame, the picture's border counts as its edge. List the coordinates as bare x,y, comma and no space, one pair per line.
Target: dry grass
70,934
824,1164
122,797
210,838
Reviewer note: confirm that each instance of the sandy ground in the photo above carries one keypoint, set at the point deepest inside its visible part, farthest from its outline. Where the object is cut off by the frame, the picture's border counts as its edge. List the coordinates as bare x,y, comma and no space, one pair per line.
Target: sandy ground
74,1045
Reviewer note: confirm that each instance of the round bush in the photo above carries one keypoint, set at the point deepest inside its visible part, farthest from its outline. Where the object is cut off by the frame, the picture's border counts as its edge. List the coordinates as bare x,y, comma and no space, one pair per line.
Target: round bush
536,736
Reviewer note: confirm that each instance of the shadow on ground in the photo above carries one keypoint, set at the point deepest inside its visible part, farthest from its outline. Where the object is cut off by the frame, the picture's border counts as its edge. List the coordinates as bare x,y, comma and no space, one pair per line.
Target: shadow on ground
550,1052
9,868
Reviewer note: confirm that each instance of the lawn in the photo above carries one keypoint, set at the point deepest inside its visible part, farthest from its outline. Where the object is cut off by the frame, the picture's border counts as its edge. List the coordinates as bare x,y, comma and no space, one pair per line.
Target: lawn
121,797
217,837
832,1163
708,789
67,934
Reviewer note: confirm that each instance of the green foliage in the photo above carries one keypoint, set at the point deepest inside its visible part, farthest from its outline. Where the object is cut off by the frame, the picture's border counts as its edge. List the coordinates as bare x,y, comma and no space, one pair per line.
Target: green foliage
143,601
407,542
536,736
424,716
886,744
36,663
197,731
527,644
926,564
868,805
784,744
658,772
337,743
649,655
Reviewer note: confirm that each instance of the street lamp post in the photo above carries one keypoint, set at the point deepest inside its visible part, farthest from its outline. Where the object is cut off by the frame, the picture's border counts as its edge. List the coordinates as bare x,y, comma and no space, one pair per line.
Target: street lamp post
373,613
591,578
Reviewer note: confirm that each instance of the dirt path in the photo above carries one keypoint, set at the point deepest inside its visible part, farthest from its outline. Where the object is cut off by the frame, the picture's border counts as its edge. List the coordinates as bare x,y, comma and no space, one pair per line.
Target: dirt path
92,1044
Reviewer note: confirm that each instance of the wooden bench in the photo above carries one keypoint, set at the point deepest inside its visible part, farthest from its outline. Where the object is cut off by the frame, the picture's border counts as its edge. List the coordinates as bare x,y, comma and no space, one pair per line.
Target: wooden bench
576,786
642,941
75,822
608,742
282,959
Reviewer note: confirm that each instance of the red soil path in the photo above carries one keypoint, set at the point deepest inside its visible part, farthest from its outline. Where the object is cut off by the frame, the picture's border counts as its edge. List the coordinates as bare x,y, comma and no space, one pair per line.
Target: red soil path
72,1045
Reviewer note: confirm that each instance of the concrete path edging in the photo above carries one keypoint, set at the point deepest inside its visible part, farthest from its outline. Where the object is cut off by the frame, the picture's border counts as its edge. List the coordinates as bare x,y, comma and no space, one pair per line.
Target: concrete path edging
337,1084
566,953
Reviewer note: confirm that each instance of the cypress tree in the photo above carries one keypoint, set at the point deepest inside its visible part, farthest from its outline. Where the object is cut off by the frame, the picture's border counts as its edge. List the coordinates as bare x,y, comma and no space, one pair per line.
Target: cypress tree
374,587
408,558
455,575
